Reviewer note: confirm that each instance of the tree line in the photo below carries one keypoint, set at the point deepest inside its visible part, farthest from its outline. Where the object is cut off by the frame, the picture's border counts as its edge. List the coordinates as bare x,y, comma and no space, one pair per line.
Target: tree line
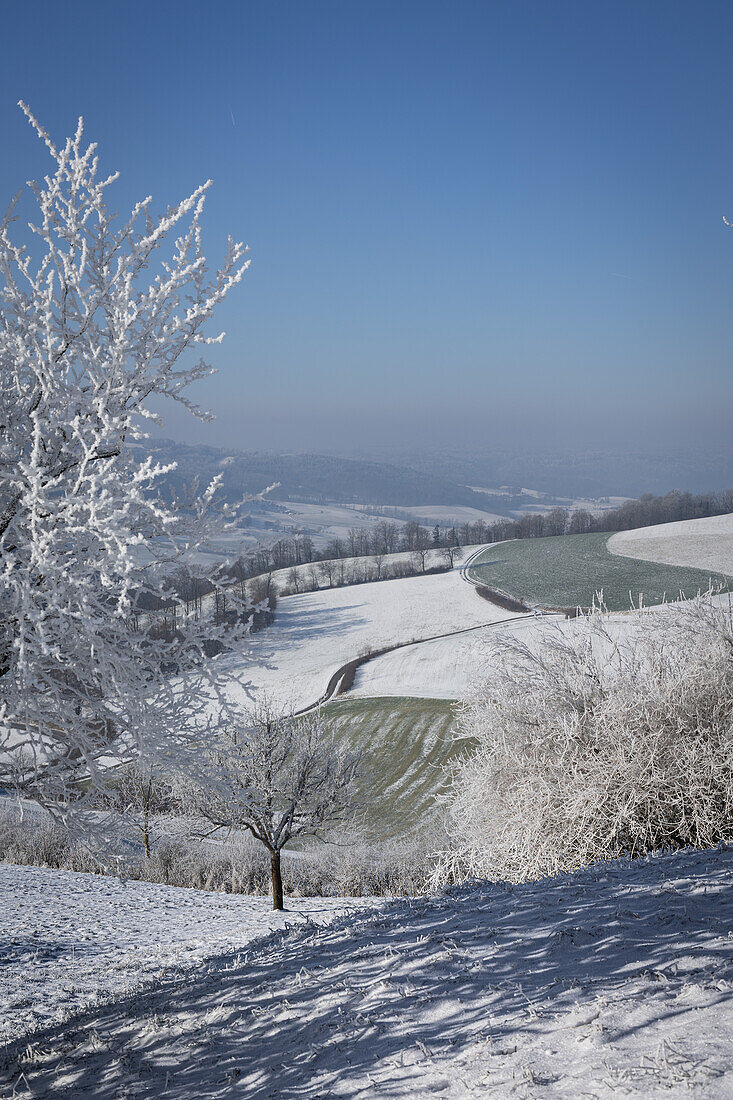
414,538
644,512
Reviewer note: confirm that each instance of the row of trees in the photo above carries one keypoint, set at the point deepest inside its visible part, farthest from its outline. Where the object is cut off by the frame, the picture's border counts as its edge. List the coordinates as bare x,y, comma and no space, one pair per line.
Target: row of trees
386,537
644,512
378,541
338,572
224,605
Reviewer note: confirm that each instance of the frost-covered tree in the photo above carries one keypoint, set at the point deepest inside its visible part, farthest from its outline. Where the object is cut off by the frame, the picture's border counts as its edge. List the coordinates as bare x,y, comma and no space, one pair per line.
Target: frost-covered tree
601,739
140,792
277,776
96,316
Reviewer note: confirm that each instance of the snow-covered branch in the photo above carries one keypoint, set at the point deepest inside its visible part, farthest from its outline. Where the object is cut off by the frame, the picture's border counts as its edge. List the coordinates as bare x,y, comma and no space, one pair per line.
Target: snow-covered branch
92,329
600,740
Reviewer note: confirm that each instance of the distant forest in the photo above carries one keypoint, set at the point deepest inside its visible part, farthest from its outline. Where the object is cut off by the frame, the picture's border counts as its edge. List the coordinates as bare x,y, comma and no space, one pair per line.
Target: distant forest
644,512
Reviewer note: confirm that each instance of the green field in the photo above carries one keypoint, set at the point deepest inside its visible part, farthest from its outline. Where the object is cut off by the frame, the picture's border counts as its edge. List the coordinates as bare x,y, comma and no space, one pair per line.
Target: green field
567,570
406,743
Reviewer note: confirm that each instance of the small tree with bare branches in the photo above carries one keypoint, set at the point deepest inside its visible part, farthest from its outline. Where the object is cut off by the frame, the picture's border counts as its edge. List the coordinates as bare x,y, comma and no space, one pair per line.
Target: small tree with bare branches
278,776
140,792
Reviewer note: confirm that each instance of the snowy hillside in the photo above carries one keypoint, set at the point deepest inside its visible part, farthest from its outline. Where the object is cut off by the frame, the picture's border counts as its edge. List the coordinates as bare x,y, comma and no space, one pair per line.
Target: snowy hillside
316,632
444,668
69,937
697,543
616,981
447,667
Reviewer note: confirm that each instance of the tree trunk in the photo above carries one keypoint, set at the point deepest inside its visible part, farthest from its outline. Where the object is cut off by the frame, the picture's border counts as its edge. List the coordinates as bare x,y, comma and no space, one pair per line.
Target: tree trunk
277,880
146,832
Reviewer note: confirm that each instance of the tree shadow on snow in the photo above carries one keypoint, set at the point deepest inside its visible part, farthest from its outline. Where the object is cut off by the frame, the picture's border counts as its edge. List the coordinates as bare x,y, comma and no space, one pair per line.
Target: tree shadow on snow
314,1012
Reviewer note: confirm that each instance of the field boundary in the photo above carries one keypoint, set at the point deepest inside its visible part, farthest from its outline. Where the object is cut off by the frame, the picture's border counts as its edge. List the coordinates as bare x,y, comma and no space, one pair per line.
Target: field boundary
656,583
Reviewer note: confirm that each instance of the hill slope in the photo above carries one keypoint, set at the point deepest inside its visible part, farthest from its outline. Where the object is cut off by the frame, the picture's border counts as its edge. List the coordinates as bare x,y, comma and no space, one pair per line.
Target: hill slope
696,543
614,981
567,571
310,477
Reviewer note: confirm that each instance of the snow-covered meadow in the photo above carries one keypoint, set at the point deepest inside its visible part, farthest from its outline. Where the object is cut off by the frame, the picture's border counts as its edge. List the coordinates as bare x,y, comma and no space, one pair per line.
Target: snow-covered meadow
441,669
614,981
447,668
697,543
316,632
71,938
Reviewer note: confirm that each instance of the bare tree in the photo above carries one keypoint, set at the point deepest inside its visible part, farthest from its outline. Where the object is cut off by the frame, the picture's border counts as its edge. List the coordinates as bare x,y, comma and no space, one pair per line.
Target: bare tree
140,792
353,540
419,559
581,522
327,570
294,579
314,577
260,588
450,554
279,777
556,521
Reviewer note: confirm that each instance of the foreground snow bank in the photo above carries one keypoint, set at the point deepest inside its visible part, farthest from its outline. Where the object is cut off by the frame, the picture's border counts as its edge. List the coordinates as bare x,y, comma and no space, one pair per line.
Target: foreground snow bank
70,938
616,981
698,543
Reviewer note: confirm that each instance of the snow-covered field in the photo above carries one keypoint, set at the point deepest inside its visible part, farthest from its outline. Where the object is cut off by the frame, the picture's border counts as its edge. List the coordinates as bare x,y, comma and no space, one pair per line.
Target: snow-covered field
323,521
447,667
698,543
68,938
273,520
612,982
441,669
316,632
448,515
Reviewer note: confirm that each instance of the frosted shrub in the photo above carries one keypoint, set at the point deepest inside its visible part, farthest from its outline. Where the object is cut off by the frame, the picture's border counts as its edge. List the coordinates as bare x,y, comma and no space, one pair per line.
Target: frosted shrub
239,866
605,739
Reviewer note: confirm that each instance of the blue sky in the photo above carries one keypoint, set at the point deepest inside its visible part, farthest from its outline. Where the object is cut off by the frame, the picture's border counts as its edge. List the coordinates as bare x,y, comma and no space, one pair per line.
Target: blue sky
470,222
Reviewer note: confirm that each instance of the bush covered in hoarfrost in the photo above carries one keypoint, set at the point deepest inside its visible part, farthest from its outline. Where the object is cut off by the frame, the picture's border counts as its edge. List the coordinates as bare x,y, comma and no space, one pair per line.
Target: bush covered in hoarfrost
604,739
354,869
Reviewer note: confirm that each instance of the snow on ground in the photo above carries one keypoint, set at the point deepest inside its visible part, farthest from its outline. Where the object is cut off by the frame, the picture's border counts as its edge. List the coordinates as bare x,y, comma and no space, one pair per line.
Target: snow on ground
447,515
699,543
448,667
616,981
317,632
442,669
324,521
272,520
68,938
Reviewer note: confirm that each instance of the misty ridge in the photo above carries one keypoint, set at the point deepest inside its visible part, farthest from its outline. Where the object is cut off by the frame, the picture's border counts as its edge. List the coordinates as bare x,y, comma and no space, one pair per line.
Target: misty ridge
310,477
500,482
